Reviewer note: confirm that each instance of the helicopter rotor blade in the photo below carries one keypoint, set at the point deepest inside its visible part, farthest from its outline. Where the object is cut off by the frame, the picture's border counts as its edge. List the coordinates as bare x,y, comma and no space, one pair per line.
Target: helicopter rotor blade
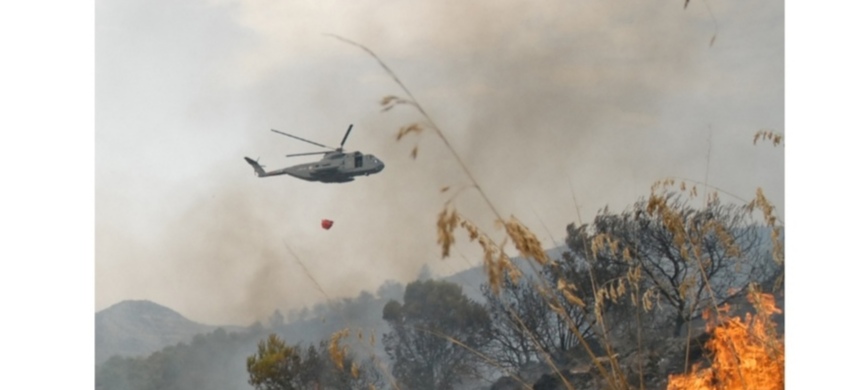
346,136
304,154
302,139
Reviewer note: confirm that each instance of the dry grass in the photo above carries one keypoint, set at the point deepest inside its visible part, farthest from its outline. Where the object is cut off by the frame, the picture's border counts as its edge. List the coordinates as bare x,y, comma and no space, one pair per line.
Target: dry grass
733,352
688,234
762,203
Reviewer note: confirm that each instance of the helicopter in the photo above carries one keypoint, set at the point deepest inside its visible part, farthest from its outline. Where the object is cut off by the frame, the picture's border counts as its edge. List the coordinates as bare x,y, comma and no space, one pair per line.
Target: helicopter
336,166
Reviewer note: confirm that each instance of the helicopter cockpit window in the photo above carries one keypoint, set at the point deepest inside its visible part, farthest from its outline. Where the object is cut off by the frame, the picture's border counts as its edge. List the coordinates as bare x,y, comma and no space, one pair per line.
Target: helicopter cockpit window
358,160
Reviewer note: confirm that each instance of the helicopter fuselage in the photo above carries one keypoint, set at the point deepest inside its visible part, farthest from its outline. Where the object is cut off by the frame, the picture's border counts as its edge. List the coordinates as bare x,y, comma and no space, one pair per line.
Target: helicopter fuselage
336,167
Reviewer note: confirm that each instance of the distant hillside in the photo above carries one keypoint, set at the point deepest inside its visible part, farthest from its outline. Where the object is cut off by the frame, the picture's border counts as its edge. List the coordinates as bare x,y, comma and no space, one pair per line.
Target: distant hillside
215,358
139,328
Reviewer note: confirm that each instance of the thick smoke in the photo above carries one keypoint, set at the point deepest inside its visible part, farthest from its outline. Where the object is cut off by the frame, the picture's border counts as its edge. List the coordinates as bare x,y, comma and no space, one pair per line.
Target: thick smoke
601,98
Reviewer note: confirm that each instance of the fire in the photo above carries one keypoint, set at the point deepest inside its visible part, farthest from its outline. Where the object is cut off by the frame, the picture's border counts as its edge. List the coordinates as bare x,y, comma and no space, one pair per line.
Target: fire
746,354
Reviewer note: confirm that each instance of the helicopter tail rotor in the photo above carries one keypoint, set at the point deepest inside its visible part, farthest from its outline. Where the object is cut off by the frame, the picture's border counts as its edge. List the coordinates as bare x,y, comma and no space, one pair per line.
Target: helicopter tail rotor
259,169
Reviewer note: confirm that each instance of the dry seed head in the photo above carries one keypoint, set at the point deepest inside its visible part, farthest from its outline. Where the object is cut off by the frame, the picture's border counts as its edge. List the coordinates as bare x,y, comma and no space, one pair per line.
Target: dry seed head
556,307
775,138
600,297
762,202
598,309
453,221
716,198
526,242
573,299
471,228
622,288
633,275
778,252
675,224
511,270
569,292
446,224
654,203
560,284
646,299
726,240
597,244
405,130
387,100
612,293
500,269
662,185
626,254
493,273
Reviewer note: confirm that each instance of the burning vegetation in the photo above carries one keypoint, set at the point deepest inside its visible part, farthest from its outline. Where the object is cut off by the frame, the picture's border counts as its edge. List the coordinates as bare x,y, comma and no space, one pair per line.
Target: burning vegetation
744,354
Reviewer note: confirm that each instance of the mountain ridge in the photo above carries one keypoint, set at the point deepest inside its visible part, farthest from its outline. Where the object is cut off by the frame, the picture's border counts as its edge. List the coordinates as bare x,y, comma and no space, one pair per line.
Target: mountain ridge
141,327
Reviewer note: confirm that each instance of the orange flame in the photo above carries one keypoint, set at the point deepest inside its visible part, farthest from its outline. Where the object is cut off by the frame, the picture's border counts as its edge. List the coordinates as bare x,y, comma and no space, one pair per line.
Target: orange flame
745,354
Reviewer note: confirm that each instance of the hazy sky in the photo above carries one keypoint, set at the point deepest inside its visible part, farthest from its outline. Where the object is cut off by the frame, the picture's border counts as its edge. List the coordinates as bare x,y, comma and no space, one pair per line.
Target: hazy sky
608,96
